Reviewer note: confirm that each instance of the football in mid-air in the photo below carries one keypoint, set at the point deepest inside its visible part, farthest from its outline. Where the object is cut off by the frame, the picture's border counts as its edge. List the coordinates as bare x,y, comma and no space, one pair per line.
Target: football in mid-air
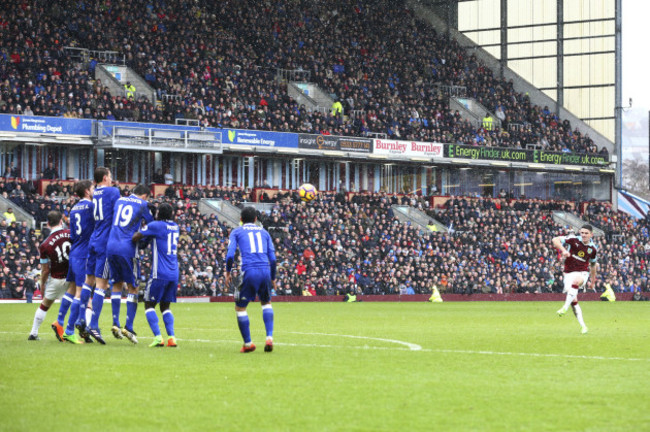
307,192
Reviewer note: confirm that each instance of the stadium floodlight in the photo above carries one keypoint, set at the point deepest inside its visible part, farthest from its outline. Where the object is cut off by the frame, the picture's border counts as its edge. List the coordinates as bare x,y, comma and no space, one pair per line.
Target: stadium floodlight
572,168
421,159
536,165
503,164
606,170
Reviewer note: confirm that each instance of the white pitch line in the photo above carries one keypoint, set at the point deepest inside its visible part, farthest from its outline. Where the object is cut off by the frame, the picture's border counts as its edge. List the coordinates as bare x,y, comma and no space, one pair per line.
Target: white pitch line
428,350
523,354
411,346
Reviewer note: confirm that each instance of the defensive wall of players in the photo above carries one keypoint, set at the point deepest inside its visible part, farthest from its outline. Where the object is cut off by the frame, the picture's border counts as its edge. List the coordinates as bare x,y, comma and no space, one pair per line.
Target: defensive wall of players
136,152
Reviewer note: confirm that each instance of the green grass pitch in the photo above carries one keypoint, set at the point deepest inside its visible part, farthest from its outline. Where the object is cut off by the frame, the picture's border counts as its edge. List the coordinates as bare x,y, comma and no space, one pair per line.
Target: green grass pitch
339,367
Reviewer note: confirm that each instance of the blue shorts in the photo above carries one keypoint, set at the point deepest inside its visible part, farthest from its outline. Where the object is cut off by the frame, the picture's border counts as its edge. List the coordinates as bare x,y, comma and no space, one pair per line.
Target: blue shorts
77,271
160,290
123,269
255,282
97,264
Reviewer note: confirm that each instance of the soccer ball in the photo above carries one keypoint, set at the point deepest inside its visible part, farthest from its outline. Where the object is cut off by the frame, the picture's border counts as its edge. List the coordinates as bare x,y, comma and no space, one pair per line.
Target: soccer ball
307,192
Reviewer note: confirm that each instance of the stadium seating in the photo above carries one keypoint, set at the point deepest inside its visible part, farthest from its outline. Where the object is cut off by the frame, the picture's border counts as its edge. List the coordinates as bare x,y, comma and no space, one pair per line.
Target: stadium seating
338,243
218,62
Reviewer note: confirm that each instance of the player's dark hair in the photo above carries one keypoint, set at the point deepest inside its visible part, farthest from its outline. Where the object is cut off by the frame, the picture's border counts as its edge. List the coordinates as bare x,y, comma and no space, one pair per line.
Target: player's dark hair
165,212
81,187
141,190
100,172
248,215
54,218
588,227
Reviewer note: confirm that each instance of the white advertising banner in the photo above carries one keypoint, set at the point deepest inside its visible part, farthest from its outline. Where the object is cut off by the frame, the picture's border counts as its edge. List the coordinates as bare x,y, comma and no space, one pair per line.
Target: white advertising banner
407,148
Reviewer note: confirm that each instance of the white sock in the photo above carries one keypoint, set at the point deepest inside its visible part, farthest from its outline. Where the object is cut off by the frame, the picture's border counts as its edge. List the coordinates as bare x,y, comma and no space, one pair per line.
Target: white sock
571,295
39,317
89,315
578,313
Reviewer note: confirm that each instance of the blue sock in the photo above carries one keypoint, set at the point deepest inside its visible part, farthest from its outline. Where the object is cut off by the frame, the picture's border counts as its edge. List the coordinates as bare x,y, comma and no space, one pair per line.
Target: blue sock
244,326
116,302
152,319
267,316
131,309
86,291
74,313
66,301
98,303
168,319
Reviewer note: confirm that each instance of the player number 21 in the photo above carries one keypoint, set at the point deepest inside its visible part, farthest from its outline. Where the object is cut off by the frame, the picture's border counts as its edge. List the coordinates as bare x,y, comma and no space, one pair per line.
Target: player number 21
259,248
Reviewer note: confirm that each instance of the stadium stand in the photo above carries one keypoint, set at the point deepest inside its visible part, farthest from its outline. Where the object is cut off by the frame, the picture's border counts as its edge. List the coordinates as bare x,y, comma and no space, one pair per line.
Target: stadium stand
342,242
217,62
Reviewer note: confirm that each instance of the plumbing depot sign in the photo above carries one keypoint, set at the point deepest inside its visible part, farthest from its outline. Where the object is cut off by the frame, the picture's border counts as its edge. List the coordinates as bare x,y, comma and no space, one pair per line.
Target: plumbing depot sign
407,148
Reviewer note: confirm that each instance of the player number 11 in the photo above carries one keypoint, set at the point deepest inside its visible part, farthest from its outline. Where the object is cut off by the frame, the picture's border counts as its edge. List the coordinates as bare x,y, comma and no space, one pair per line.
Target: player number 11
251,237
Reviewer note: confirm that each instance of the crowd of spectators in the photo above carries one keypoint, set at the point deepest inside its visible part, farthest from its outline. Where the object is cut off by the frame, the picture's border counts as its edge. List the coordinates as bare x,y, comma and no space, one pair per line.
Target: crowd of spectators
219,60
353,242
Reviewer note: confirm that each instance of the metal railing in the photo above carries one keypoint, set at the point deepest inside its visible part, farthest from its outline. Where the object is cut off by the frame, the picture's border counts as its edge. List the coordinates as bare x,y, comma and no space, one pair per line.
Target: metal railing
293,75
164,139
170,97
186,122
20,213
452,90
102,56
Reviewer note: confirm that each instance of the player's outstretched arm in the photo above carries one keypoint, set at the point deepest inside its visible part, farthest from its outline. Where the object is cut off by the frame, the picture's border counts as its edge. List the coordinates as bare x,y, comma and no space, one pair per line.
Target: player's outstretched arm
558,244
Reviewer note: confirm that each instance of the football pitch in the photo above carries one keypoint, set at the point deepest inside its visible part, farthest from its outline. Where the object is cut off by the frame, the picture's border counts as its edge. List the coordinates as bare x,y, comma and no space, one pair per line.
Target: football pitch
497,366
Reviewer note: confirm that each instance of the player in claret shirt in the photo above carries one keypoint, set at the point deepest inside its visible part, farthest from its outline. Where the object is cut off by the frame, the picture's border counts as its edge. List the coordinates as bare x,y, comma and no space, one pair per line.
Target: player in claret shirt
54,252
580,268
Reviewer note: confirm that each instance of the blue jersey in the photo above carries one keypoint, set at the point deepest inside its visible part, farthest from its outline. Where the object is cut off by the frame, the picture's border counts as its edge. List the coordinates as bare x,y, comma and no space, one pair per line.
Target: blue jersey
104,199
164,263
255,246
128,214
82,224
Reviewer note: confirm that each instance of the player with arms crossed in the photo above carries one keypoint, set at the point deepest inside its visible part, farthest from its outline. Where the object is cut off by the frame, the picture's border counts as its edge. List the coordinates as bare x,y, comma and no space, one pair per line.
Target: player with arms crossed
580,268
129,213
258,275
104,198
82,222
163,281
54,252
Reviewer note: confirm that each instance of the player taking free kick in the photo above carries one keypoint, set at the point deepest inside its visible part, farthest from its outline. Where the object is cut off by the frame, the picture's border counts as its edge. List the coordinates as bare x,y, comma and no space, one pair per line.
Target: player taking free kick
579,268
